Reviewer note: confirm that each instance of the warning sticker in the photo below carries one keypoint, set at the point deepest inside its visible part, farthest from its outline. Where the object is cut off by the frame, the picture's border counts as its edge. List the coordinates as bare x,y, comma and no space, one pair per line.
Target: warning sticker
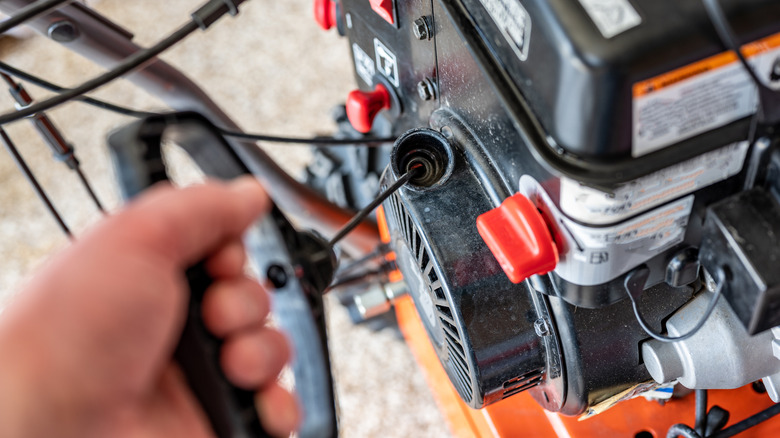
612,17
592,206
514,22
364,64
596,255
701,96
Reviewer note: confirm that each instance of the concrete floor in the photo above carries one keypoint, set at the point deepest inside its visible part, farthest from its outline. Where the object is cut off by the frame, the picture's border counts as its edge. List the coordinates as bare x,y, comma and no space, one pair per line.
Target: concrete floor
274,71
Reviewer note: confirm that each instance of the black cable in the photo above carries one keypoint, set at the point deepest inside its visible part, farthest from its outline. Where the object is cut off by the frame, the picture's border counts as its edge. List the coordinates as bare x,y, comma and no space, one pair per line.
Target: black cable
362,214
36,80
717,418
327,141
768,99
721,279
362,277
90,191
19,160
748,422
381,250
708,422
29,12
61,149
722,27
701,412
131,63
681,430
201,19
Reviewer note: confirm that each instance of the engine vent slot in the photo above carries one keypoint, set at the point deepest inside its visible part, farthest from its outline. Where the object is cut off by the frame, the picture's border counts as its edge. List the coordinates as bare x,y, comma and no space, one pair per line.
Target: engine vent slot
455,357
521,383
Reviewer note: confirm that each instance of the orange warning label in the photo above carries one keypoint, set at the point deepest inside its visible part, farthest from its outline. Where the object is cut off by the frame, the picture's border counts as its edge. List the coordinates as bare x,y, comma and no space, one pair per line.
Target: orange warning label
700,97
705,65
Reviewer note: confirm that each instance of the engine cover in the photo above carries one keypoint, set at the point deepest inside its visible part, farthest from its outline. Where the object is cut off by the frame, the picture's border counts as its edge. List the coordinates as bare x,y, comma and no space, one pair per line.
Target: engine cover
620,136
481,325
495,338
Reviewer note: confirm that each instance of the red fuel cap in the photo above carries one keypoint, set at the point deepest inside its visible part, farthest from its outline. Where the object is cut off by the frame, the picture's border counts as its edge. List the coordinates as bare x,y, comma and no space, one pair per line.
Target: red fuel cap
325,13
362,107
519,238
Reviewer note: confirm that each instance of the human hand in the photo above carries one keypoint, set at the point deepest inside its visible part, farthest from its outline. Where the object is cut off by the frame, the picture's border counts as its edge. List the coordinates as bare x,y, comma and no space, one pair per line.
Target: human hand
86,350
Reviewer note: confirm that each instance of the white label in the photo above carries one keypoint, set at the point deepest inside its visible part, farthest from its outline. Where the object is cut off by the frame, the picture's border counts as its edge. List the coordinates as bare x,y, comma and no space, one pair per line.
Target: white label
514,22
386,62
364,64
612,17
697,104
596,255
586,204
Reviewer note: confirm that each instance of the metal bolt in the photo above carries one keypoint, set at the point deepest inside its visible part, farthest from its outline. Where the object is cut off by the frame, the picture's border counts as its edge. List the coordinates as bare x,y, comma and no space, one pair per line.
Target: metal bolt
63,31
425,89
422,29
277,276
542,327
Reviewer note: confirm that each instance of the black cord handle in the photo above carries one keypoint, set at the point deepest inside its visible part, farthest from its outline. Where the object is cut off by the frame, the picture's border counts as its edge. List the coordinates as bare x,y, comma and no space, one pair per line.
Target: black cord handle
231,410
299,265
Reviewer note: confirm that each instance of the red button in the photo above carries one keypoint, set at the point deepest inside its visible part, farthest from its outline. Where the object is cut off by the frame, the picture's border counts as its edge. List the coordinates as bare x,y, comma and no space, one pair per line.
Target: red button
518,237
362,107
384,8
325,13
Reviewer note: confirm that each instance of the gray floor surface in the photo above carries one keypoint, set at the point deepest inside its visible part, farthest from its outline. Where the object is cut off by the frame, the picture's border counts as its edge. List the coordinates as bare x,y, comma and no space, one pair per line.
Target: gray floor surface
274,71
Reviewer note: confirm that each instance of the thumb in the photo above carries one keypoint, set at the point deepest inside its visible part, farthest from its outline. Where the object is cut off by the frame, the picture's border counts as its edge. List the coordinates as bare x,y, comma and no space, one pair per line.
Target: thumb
184,226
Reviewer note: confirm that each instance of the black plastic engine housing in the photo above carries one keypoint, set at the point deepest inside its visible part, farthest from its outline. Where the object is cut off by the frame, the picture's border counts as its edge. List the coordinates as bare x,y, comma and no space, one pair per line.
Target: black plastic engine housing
539,98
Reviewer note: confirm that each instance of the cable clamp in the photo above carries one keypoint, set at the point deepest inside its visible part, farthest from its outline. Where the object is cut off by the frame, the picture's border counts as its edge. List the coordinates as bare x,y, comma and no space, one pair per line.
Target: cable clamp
212,11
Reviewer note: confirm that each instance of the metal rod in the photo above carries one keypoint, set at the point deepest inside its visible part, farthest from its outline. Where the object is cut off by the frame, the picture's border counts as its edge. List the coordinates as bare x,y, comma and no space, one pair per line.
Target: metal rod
362,214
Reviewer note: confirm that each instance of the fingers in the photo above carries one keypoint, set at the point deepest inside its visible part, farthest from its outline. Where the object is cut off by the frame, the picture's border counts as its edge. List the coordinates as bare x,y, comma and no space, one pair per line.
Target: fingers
228,261
233,305
252,356
279,411
185,225
253,359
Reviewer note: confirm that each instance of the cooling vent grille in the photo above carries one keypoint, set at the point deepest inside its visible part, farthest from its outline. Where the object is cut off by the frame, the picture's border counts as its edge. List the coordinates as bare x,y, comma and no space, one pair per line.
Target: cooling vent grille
458,365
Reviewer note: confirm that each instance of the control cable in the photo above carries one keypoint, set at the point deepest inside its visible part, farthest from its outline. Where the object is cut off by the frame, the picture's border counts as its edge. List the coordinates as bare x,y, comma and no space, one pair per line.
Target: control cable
769,99
31,11
323,141
22,165
201,19
61,149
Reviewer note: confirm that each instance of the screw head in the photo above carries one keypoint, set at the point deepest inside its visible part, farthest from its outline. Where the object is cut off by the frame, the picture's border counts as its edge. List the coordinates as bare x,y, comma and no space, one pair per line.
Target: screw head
63,31
542,327
425,89
277,276
420,29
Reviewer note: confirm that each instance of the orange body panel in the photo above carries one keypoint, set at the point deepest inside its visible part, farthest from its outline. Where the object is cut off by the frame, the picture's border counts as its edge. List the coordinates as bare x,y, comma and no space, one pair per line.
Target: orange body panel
521,416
